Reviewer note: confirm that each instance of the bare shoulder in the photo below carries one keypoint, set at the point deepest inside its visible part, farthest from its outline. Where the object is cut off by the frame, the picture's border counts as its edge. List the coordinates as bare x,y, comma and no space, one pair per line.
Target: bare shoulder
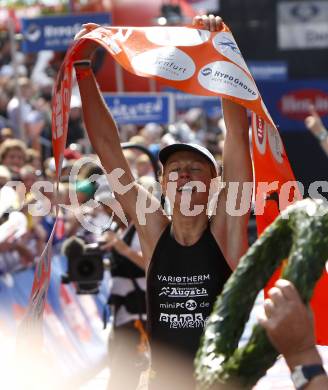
229,232
218,222
149,218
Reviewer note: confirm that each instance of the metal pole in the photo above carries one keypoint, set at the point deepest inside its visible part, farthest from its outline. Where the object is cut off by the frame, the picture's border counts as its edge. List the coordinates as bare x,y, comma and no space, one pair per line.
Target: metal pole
119,77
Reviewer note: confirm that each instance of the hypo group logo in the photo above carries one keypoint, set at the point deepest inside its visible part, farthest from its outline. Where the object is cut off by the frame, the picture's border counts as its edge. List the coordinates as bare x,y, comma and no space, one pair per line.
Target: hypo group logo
206,71
167,62
227,78
296,104
33,33
176,36
226,45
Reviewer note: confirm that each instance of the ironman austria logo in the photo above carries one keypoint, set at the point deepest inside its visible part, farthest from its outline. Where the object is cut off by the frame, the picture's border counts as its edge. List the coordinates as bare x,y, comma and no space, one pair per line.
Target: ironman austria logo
295,104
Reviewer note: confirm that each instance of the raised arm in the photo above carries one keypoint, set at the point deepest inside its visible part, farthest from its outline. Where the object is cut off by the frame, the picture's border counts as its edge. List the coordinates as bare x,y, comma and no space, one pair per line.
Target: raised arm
104,137
228,227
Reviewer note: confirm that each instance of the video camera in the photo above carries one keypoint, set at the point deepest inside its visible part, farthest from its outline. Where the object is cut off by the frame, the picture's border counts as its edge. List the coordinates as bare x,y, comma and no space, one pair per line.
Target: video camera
85,265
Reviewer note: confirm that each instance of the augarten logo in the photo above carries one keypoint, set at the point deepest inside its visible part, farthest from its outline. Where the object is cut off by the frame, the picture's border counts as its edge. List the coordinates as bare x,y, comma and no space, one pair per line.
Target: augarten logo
206,71
295,104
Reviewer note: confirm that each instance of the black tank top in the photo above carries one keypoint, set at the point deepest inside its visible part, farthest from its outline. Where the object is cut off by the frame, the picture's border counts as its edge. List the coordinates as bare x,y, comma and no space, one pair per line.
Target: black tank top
182,285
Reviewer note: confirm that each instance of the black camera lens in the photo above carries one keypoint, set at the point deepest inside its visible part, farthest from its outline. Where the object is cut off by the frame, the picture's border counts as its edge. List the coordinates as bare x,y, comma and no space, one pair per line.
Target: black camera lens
85,265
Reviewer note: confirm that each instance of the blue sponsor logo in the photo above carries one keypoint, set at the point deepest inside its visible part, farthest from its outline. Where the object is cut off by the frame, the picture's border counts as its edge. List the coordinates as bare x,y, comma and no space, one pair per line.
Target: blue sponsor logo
206,71
33,33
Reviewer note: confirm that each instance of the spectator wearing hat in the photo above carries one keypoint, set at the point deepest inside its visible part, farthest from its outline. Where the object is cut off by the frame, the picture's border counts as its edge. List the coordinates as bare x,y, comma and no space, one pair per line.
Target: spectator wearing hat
13,154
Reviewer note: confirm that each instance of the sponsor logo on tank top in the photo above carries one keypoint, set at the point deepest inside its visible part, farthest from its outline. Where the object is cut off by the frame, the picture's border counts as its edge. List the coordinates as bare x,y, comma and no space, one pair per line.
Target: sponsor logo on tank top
190,305
183,292
183,279
188,320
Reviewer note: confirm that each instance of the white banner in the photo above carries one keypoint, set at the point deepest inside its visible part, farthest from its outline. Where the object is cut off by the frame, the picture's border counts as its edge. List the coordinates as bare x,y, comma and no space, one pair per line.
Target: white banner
302,25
